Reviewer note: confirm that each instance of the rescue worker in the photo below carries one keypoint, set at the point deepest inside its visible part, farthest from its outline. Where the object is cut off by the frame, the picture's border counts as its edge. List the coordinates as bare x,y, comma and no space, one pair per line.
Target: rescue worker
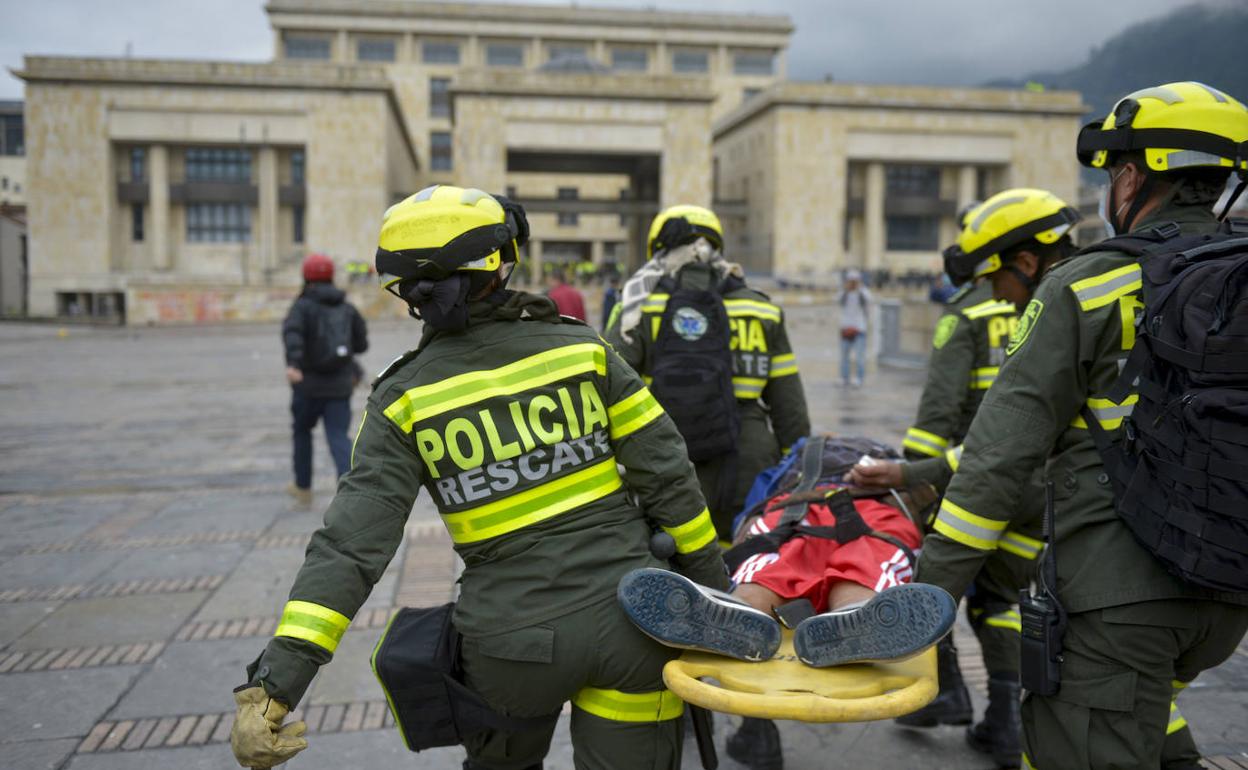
1133,631
517,422
685,246
967,349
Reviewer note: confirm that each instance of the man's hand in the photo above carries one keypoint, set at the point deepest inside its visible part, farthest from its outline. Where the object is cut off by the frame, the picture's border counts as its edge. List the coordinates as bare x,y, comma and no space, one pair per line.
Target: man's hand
258,738
293,375
879,474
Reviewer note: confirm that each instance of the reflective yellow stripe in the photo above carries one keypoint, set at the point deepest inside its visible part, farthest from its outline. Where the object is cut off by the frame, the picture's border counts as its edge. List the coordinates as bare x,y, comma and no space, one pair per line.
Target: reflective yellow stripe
1020,545
1008,620
954,457
982,379
1027,762
957,523
748,387
534,371
925,443
989,307
1126,308
534,505
633,413
1178,686
783,365
693,534
658,706
749,308
312,623
1108,413
1101,290
1177,722
358,431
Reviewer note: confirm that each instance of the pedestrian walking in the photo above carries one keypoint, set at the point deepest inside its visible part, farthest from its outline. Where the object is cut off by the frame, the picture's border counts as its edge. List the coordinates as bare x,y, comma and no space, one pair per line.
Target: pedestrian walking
855,301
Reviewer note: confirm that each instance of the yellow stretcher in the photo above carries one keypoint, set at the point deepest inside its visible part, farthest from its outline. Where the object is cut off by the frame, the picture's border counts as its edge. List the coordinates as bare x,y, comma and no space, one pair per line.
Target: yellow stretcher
786,688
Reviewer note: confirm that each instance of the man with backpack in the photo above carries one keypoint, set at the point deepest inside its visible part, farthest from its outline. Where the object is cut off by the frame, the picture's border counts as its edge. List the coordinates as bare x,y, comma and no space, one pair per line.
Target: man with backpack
322,335
715,354
1134,403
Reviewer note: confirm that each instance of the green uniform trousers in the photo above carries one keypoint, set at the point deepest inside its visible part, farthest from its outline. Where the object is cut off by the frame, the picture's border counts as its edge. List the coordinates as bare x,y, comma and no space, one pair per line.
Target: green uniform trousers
1119,672
622,715
757,450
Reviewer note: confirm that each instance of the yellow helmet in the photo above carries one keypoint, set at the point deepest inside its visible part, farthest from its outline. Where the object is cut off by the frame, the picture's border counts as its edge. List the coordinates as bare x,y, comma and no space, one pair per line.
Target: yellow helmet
442,229
679,224
1006,220
1176,125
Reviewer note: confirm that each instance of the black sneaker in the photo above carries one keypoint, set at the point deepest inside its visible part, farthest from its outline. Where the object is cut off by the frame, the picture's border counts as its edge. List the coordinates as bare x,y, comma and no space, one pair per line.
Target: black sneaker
897,623
675,611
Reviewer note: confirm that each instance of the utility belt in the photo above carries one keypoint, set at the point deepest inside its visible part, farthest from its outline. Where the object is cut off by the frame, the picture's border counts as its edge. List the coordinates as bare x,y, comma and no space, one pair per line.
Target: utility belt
418,665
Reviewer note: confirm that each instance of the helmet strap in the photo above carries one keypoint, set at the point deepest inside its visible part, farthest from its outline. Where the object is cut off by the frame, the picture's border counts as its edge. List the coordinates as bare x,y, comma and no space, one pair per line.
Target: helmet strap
441,304
1141,199
1028,282
1239,189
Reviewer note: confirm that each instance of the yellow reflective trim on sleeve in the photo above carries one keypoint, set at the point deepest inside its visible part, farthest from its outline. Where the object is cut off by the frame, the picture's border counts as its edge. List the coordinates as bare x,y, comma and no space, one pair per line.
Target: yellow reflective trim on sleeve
749,308
954,457
924,442
1009,620
1101,290
1177,722
982,379
696,533
1020,545
655,303
956,523
457,392
989,307
1126,309
747,388
658,706
633,413
358,431
312,623
655,323
1178,687
1107,413
783,365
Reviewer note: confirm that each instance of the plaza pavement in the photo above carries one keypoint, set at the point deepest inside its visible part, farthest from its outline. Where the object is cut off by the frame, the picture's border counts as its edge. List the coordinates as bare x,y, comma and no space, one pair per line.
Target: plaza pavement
146,549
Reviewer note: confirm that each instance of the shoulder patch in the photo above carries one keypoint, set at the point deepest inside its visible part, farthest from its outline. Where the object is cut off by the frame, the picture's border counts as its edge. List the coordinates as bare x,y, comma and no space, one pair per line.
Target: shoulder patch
944,330
1025,324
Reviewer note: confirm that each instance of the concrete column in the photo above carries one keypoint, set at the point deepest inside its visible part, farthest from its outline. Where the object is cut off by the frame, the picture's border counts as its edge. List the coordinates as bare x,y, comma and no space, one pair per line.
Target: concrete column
967,179
873,215
721,65
661,64
279,51
535,53
342,52
407,48
598,52
158,200
266,225
780,68
595,252
535,262
472,52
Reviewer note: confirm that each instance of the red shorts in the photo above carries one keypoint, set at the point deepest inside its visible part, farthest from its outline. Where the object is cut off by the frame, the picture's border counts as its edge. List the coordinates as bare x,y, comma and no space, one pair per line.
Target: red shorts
808,567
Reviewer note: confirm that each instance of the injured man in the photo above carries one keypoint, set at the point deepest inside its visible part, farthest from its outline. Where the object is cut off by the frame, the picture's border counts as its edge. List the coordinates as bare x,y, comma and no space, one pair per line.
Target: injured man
834,569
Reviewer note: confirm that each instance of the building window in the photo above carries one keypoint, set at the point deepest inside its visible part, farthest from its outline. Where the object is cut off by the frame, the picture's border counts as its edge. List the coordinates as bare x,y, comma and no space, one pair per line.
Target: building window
624,217
629,59
374,49
136,222
297,220
12,135
912,233
912,181
439,97
306,47
218,222
691,61
504,55
297,166
138,164
568,219
752,63
440,151
440,52
563,52
218,164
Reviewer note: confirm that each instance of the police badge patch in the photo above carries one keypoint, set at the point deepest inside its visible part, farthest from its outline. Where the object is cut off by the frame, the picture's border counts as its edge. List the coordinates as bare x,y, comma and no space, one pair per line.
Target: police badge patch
944,330
689,324
1025,324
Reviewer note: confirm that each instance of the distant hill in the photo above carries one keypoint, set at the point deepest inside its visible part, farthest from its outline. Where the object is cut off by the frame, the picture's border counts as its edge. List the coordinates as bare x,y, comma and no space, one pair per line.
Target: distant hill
1202,42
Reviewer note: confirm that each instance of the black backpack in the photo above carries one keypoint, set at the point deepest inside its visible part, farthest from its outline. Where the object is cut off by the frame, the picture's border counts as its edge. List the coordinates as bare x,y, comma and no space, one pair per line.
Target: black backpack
329,345
692,371
1180,469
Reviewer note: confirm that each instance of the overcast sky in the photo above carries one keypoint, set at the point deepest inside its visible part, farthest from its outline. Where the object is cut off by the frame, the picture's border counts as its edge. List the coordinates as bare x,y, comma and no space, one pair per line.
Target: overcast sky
963,42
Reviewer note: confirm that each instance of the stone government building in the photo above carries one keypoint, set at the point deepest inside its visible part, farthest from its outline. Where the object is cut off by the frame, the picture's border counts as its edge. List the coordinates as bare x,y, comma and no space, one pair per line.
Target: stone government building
197,187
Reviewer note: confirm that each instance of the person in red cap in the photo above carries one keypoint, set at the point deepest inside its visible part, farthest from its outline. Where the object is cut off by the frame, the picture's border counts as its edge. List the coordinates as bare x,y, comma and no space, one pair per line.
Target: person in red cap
322,334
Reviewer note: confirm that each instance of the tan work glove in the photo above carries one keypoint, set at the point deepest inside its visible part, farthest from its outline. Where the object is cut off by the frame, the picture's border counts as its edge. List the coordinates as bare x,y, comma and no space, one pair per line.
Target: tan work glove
258,738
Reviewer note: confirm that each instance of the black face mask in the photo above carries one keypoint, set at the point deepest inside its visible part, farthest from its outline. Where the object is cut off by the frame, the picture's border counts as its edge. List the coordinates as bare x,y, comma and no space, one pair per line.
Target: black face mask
441,304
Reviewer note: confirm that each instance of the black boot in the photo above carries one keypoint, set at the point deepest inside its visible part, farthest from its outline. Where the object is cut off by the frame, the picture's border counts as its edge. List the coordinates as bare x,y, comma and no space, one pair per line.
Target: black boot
1000,733
757,745
952,705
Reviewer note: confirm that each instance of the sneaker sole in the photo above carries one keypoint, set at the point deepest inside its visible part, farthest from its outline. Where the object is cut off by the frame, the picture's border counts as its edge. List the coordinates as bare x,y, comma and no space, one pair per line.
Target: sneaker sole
670,609
896,624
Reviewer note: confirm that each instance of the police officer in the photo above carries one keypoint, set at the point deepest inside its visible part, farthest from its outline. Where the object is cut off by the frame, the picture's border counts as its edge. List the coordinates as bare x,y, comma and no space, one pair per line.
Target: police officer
517,422
1133,630
765,379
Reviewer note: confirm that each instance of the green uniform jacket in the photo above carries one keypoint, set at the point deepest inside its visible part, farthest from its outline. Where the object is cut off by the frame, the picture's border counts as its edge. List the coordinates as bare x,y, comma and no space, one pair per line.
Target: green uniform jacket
967,349
1065,354
549,462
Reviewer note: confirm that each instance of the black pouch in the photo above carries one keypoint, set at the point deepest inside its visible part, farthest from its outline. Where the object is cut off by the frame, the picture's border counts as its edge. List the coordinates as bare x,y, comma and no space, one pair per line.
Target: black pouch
417,663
